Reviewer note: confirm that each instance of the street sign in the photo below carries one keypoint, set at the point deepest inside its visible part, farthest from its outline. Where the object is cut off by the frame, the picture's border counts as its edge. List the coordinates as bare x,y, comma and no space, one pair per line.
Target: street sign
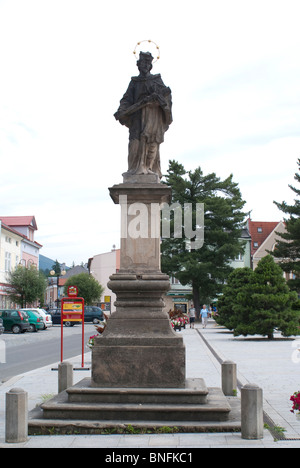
72,310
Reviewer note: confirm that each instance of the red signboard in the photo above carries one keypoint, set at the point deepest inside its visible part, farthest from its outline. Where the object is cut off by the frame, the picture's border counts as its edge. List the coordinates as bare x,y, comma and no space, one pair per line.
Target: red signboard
72,310
72,291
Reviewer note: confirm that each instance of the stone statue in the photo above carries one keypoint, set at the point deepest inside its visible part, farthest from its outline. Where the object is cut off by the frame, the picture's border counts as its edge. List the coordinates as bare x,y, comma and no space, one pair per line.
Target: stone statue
146,109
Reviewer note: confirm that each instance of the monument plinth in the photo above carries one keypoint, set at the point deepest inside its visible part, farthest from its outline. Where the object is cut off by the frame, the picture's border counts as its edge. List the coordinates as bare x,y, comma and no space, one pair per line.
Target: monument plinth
139,347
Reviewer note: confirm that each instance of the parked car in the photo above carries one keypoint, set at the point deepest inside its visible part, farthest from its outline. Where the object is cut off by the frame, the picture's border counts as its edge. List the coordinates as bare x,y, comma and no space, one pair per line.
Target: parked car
56,318
15,320
93,314
36,320
47,318
1,326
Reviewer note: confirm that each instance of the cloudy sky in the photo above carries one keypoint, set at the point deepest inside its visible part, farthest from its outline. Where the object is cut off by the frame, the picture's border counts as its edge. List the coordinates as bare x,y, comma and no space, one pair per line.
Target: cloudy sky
234,70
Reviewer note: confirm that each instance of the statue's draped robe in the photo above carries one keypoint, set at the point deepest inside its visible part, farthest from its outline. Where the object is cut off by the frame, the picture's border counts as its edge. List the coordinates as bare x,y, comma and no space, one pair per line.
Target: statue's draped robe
148,123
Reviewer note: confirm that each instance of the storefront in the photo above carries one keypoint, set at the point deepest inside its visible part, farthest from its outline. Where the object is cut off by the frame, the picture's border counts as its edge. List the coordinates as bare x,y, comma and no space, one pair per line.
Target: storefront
5,301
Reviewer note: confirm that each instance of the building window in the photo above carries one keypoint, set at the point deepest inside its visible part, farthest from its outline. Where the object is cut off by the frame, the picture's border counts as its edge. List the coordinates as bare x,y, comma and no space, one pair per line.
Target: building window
239,258
7,261
259,229
255,245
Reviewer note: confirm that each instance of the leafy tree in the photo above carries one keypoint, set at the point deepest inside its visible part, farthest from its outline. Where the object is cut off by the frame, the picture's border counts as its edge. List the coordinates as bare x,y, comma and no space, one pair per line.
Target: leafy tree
27,285
261,304
288,249
205,268
88,287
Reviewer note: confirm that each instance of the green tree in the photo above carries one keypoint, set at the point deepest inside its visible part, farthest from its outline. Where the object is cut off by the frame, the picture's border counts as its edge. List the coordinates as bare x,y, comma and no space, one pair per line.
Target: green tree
234,306
56,268
205,268
88,287
27,285
262,303
288,247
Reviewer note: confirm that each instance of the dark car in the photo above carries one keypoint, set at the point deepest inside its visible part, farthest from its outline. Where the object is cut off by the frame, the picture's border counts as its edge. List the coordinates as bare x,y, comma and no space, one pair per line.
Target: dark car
56,318
1,326
15,320
93,314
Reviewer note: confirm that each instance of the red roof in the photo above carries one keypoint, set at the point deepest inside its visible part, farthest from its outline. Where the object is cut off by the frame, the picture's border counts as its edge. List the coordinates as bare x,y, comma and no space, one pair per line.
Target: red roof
10,229
259,231
9,222
19,221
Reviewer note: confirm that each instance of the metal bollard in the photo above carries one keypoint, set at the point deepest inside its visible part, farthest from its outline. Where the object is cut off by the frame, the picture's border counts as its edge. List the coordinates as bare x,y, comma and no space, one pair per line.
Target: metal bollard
229,379
65,376
252,412
16,417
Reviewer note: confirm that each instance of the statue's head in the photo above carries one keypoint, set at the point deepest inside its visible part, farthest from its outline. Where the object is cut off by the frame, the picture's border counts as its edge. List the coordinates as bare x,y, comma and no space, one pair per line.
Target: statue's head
145,62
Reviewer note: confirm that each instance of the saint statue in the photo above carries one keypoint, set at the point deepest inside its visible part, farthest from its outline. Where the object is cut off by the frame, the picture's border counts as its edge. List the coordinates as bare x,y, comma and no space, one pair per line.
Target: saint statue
146,109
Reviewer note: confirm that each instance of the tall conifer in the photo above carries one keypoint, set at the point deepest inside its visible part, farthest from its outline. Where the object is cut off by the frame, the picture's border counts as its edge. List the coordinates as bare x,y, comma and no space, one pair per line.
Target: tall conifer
206,268
288,247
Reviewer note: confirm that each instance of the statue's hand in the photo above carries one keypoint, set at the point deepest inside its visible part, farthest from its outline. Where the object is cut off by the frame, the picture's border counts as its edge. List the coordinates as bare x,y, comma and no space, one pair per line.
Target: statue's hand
155,98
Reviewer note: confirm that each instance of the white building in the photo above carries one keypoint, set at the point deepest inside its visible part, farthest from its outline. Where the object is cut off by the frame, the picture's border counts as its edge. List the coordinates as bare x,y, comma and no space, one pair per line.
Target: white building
101,267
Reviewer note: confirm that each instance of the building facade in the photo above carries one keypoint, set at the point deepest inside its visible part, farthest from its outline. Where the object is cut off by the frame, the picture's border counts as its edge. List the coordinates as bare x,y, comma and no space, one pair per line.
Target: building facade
10,257
263,238
17,247
101,267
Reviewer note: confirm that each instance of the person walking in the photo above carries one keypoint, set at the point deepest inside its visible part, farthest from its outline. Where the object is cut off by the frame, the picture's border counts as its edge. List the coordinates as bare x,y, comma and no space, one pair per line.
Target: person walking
192,315
204,315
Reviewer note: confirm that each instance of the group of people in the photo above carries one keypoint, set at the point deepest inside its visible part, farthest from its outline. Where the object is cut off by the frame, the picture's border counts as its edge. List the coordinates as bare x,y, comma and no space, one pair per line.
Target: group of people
204,315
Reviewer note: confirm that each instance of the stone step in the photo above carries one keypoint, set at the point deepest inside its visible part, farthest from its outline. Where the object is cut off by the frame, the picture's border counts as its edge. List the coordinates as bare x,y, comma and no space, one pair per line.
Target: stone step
194,392
38,425
217,408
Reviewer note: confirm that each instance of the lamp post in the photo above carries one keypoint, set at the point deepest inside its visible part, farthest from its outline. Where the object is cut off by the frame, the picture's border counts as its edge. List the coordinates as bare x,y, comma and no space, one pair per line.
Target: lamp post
58,275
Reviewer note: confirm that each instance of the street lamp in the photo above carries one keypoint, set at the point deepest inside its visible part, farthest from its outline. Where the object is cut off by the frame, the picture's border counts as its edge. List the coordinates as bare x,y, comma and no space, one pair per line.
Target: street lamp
62,273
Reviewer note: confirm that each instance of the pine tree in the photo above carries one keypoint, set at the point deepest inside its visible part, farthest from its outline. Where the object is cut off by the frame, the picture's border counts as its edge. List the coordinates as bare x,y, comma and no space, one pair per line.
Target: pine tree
272,301
288,249
261,304
234,305
205,268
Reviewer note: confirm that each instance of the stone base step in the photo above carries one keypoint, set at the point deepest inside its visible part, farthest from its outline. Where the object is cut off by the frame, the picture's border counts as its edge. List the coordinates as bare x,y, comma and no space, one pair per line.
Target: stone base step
216,408
38,425
194,392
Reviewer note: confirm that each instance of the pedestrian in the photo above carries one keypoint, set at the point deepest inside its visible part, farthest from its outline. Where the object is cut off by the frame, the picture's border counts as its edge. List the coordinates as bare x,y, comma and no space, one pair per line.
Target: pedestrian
192,315
204,315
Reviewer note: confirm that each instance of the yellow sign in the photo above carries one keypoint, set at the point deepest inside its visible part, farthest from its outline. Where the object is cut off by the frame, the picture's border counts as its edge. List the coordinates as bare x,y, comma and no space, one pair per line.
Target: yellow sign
72,307
107,298
72,311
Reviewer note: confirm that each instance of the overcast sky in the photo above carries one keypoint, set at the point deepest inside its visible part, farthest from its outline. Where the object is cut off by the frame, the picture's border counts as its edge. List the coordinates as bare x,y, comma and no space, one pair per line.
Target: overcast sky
234,71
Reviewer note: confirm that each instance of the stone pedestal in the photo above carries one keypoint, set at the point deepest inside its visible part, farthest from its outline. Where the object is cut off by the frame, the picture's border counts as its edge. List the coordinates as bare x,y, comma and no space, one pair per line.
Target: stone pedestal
139,347
138,363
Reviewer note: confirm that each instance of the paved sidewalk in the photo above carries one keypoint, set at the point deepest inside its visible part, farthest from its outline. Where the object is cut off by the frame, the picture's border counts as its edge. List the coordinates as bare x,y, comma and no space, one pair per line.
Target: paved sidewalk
268,364
273,365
